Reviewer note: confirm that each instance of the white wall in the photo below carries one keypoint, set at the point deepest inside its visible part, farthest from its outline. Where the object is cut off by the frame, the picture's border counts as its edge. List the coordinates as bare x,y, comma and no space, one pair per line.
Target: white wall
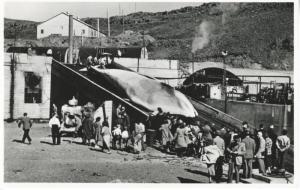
60,25
26,63
154,68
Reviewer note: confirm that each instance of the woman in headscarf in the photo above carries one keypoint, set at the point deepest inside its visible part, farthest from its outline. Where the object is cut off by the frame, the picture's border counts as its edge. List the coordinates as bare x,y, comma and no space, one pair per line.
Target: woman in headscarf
106,134
180,139
87,130
210,156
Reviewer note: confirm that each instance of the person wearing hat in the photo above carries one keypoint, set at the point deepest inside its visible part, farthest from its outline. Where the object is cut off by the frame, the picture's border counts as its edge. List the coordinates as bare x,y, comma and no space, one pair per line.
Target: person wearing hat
54,124
249,155
220,161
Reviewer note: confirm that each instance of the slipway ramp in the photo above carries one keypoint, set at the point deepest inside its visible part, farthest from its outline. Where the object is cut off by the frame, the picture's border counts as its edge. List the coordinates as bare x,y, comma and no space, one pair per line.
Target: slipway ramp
219,118
71,74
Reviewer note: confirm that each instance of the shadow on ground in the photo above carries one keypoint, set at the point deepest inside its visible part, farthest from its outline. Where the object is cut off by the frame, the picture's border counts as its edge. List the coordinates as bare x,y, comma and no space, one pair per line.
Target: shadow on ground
19,141
197,172
186,180
45,142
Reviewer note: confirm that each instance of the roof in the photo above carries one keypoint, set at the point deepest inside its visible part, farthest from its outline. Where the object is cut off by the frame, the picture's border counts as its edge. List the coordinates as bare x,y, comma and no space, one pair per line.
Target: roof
84,52
213,75
129,52
73,19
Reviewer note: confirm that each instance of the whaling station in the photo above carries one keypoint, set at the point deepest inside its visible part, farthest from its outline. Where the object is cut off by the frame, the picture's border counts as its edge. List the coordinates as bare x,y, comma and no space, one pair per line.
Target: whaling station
36,78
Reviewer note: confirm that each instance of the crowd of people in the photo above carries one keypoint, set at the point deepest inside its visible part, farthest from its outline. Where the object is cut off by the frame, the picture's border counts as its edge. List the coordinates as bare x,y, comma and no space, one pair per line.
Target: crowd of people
100,136
239,148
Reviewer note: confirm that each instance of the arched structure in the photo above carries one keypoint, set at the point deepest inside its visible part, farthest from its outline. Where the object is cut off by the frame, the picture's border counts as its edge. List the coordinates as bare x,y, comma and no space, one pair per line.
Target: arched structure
213,75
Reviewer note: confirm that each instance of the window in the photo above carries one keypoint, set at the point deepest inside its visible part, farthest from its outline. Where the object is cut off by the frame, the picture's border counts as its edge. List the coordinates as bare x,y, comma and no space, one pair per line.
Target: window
62,27
42,31
83,31
33,88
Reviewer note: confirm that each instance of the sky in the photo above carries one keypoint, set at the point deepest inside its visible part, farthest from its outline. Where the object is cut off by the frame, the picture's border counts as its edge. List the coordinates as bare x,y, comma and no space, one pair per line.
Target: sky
41,11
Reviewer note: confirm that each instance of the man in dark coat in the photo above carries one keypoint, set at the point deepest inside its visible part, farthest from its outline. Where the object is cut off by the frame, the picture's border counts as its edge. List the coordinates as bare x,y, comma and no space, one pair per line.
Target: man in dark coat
249,155
87,130
27,123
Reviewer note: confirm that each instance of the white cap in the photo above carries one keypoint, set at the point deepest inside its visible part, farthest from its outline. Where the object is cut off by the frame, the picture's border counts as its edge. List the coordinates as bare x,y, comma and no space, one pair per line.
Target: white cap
271,126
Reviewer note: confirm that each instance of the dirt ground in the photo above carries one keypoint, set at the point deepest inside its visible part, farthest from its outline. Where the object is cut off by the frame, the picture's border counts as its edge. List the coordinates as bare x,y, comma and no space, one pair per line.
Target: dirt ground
72,162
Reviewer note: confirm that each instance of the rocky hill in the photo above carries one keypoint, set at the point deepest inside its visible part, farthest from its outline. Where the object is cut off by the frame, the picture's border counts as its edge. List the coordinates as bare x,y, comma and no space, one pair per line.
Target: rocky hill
252,33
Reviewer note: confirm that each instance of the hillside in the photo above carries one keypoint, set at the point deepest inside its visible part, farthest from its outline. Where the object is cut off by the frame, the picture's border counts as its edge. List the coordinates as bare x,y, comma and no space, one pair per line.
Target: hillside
252,33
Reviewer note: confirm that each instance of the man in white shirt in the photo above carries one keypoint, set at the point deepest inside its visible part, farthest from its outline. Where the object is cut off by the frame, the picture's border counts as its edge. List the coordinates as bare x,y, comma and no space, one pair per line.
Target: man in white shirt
283,144
54,124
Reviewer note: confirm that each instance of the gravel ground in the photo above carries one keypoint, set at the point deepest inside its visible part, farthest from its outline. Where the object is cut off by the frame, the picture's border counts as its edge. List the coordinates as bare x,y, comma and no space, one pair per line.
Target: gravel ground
72,162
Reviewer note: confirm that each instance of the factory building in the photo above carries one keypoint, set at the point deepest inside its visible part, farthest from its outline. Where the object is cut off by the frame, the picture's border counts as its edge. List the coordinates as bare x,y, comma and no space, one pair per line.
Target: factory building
59,25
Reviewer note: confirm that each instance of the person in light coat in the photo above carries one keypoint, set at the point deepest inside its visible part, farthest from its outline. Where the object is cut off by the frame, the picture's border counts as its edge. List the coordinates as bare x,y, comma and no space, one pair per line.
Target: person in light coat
212,153
54,124
167,136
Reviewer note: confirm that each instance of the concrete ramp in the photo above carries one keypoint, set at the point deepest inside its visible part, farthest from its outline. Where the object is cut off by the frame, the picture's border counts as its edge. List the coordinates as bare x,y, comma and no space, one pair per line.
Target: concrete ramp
219,118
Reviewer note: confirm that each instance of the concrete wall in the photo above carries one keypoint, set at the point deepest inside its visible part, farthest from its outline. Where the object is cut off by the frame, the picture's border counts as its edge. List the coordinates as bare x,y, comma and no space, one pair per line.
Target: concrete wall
256,113
154,68
26,63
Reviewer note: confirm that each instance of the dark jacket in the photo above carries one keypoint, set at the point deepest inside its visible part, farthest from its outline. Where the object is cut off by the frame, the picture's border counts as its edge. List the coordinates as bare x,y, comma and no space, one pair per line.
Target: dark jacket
250,147
26,122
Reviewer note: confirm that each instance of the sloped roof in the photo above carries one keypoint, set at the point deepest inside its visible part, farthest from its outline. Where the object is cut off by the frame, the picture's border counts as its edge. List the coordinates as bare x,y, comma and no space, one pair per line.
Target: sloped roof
73,19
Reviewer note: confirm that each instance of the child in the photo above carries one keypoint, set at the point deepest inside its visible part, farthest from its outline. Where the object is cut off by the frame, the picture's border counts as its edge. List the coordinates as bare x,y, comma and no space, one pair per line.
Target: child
117,136
125,137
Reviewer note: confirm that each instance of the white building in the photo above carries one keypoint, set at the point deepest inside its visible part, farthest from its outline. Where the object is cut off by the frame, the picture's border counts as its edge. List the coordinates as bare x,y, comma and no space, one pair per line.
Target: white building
59,24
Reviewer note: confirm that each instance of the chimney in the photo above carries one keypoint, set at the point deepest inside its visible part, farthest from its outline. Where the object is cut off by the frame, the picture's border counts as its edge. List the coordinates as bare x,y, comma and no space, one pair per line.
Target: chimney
98,27
70,39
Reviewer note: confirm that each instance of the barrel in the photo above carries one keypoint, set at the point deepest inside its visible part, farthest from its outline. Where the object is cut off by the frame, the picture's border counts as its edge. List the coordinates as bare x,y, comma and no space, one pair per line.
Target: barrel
151,133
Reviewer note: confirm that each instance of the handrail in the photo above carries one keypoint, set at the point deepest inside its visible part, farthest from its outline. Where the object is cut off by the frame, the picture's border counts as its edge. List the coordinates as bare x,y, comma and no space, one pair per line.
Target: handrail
102,88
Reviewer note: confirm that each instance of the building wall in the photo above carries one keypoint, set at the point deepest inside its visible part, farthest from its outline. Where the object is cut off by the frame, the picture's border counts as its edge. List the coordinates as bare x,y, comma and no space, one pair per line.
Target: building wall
26,63
60,25
154,68
256,113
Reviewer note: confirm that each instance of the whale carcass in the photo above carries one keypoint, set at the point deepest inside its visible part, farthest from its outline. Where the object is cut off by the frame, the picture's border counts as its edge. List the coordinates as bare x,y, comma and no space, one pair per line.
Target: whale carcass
144,91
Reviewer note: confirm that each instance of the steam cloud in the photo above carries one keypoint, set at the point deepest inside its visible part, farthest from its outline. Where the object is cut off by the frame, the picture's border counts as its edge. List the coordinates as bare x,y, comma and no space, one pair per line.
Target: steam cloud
228,9
202,36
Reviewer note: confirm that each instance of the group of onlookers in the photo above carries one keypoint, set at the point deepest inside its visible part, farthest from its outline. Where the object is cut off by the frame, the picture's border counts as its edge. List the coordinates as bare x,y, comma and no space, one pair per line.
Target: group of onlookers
239,148
99,134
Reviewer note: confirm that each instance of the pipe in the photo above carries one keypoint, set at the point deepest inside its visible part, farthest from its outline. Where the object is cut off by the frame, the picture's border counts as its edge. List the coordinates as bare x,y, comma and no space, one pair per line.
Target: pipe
98,27
70,39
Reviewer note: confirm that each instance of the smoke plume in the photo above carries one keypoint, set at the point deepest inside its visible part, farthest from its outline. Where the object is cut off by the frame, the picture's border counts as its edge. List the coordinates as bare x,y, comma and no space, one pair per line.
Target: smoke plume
228,9
202,36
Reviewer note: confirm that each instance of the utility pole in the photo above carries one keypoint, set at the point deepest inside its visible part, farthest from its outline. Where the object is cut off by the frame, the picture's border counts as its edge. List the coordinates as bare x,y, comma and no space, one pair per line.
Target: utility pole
144,44
12,80
70,39
108,25
224,54
122,20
